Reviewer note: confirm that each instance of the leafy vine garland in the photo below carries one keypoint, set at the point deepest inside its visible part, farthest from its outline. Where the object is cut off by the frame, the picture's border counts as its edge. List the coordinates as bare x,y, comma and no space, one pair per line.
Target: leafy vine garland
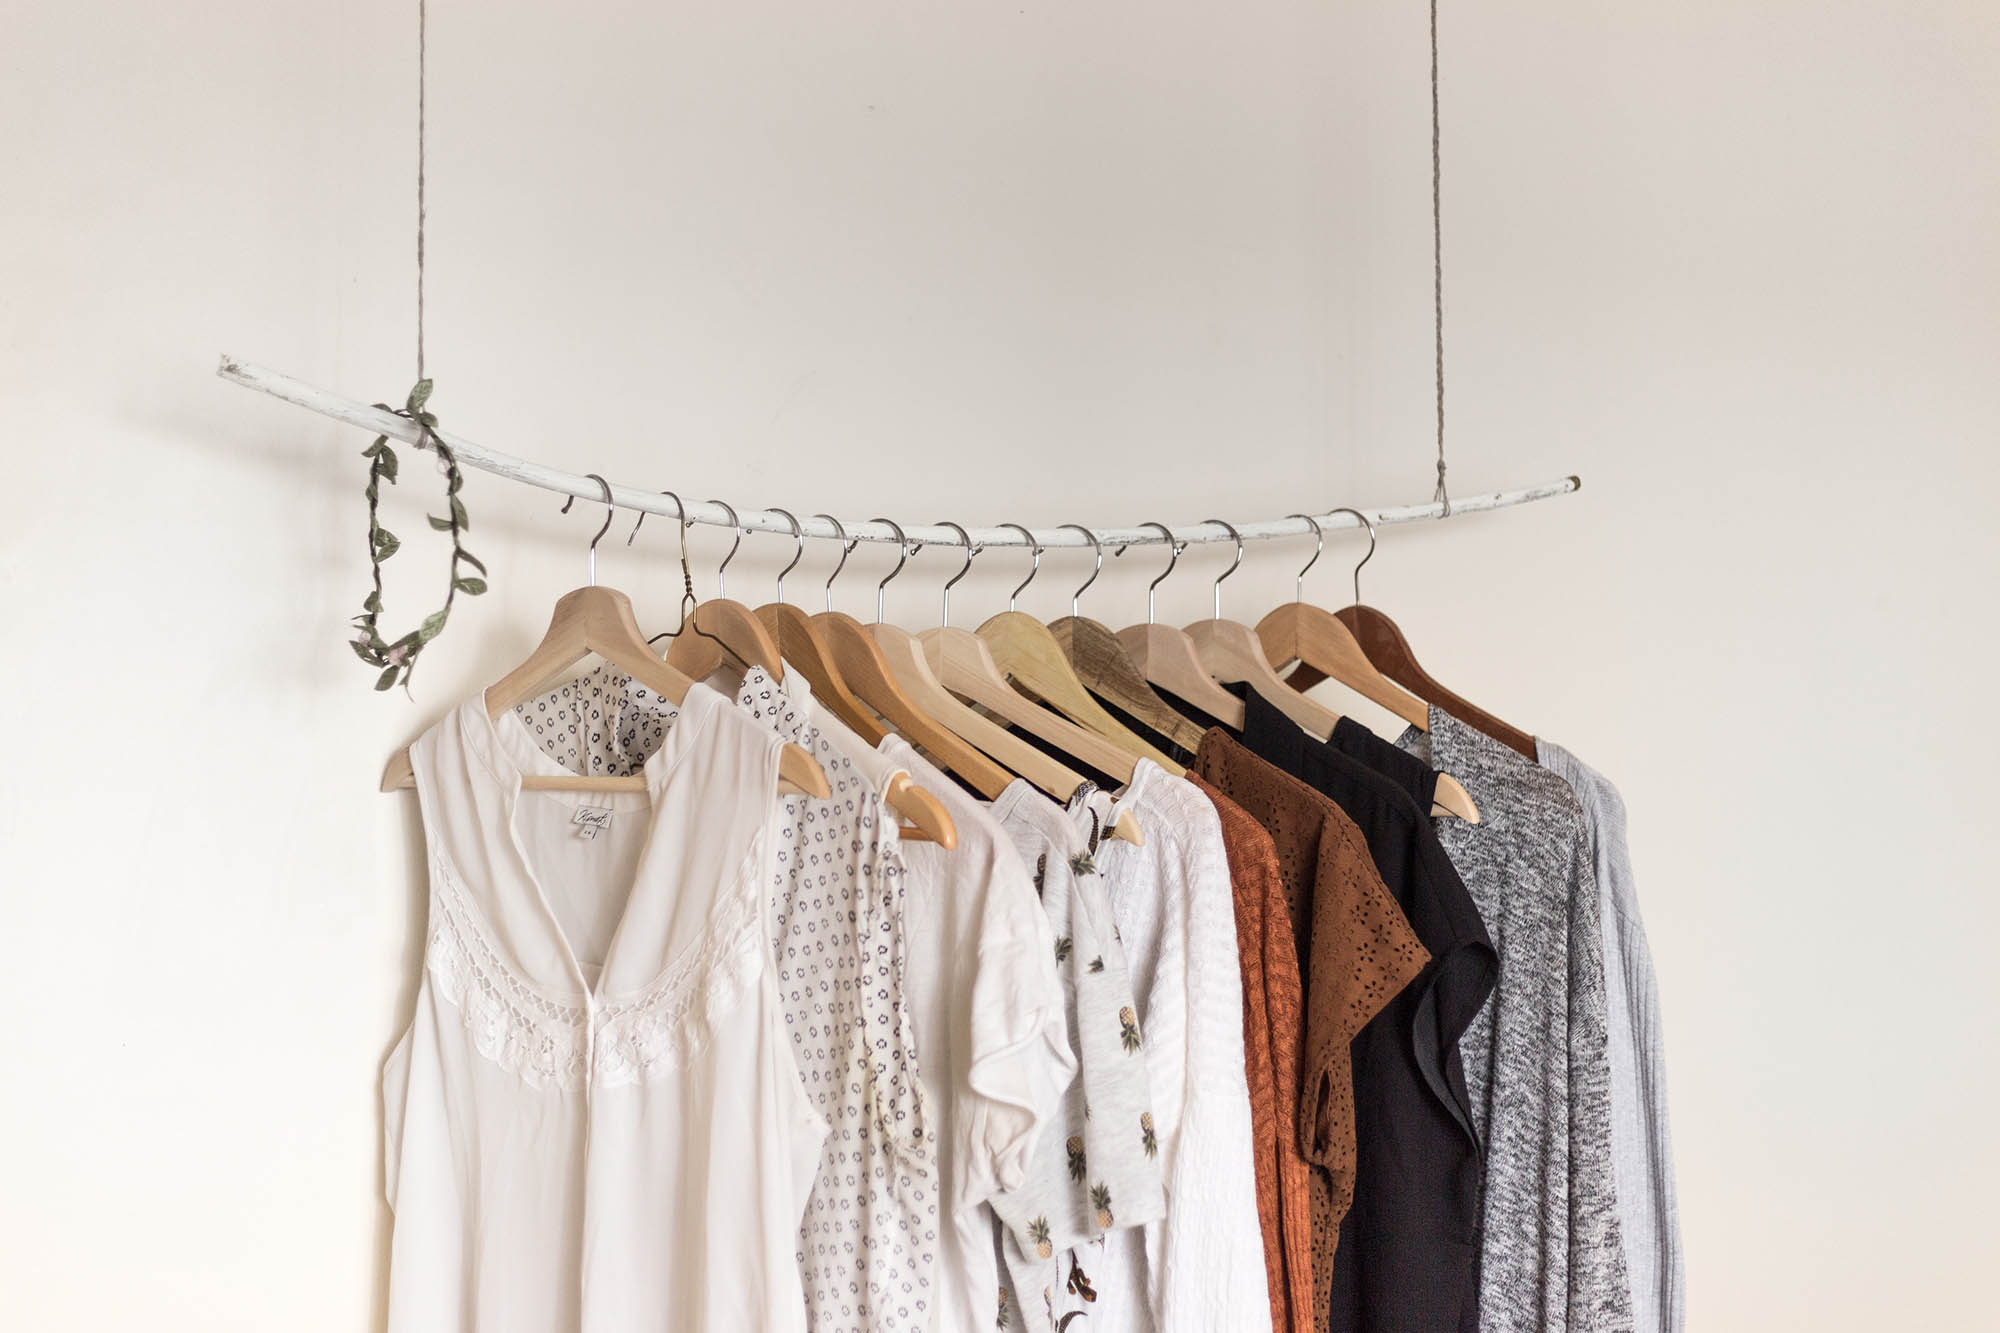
396,660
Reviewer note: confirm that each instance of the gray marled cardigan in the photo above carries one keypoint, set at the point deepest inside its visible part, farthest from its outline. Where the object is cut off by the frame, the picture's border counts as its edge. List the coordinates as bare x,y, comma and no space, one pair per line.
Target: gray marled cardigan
1642,1150
1536,1064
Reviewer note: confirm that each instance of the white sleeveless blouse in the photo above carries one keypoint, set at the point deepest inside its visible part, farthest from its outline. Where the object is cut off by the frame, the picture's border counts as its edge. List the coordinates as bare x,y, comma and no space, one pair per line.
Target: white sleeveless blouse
594,1123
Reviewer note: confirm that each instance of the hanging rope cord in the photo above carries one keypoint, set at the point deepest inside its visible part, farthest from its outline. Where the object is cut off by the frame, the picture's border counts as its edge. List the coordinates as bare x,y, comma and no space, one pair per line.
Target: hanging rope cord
1440,495
423,62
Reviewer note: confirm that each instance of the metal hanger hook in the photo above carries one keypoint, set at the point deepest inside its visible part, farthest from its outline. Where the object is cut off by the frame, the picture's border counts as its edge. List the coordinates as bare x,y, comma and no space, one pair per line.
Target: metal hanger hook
1174,549
1095,546
905,548
971,551
609,510
1230,528
847,545
1034,569
722,570
1319,546
1369,524
799,536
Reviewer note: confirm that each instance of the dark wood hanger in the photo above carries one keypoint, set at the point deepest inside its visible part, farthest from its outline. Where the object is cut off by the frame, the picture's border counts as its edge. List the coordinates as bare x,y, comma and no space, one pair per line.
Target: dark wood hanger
1383,641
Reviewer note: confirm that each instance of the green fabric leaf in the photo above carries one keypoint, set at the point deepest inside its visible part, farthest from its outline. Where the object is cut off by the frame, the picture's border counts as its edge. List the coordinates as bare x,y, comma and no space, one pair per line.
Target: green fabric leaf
387,463
386,544
419,395
439,524
432,627
458,512
364,652
473,560
470,587
372,604
387,678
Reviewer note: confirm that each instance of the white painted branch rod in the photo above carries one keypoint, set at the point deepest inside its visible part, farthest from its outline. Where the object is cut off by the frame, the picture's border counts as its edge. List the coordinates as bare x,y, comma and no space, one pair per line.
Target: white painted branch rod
378,422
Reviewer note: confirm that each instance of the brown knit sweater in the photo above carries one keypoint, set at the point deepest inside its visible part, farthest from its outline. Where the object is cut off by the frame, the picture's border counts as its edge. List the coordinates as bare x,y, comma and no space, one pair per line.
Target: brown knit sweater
1273,1030
1355,952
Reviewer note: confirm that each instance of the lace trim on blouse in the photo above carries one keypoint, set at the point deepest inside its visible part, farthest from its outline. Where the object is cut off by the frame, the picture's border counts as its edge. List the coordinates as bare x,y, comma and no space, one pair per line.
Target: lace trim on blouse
541,1039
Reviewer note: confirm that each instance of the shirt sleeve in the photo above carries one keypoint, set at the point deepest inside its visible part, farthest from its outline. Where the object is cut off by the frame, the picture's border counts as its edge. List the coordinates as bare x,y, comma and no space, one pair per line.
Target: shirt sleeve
1207,1258
1020,1062
1600,1292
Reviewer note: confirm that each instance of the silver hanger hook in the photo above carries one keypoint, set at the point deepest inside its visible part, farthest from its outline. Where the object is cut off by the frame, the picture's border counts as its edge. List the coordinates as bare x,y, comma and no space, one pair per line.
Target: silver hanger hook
971,551
1095,546
847,545
722,570
799,536
1319,540
1369,524
687,575
1034,569
1174,549
609,510
905,548
1230,528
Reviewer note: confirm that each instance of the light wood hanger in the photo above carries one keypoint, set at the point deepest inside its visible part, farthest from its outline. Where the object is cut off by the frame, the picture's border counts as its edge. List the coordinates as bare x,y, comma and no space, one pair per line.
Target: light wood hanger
801,644
599,620
805,648
1166,656
1388,651
1026,654
752,641
1230,653
1303,633
912,669
862,665
1107,669
722,628
960,661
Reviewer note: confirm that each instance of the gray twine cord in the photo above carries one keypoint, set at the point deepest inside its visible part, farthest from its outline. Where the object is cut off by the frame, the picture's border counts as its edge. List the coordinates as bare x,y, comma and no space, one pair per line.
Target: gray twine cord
423,34
1440,496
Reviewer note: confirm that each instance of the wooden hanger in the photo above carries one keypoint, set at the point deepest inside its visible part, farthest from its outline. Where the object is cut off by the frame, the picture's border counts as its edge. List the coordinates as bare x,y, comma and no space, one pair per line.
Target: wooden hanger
1311,635
861,664
1107,670
600,620
910,665
805,648
1389,652
1230,653
722,628
1166,657
1024,652
753,642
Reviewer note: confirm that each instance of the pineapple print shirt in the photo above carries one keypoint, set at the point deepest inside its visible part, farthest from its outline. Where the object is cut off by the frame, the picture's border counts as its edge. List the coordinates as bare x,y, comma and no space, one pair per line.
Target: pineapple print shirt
1096,1166
1200,1267
867,1246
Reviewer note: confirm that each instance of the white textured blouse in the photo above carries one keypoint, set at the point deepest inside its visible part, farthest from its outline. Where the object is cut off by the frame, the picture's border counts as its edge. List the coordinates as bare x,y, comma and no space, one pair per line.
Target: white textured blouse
594,1123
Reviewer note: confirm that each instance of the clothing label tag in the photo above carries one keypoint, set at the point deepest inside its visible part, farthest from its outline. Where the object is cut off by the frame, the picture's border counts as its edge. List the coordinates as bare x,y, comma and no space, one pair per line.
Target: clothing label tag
592,820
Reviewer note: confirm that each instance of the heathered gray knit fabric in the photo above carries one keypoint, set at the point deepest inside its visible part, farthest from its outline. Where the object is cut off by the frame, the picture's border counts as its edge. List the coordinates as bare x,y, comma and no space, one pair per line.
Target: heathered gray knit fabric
1536,1065
1641,1150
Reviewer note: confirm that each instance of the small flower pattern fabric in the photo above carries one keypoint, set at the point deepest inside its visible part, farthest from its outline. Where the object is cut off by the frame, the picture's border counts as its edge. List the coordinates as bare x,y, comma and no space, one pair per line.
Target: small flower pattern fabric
868,1242
1096,1167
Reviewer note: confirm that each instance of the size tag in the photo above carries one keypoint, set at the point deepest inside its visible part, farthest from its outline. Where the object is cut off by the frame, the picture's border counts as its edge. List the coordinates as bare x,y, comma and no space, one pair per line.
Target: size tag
592,820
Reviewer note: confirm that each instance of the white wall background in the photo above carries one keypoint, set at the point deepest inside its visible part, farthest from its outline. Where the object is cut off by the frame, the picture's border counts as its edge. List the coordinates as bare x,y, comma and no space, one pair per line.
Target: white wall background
1735,263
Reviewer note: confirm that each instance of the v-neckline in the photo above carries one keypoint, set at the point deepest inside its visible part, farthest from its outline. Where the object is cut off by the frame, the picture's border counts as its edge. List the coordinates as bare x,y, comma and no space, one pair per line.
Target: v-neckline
516,755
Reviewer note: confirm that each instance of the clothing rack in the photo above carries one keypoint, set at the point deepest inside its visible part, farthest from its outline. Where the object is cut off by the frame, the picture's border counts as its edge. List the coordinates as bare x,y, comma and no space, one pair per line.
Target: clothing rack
377,421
